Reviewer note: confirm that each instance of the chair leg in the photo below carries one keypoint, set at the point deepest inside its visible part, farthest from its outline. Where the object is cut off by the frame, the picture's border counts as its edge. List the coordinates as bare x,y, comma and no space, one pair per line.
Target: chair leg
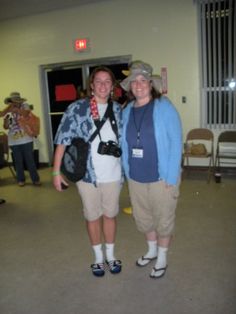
186,167
217,163
12,172
210,170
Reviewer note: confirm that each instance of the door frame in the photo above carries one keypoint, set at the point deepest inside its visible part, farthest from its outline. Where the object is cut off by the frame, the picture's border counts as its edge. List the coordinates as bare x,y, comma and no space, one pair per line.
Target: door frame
85,65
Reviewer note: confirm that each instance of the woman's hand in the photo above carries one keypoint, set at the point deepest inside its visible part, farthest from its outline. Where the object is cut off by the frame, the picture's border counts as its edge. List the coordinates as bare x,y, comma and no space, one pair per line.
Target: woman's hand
168,186
59,183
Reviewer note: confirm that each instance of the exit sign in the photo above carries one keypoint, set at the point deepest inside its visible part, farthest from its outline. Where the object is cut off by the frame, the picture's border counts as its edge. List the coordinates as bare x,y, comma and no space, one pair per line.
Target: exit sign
82,45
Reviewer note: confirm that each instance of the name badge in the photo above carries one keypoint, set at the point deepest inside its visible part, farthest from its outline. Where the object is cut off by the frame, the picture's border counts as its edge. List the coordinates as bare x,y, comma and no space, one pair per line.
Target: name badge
137,152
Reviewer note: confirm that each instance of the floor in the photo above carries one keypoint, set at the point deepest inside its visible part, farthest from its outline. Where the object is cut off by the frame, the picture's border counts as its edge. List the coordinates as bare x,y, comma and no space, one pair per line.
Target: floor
45,254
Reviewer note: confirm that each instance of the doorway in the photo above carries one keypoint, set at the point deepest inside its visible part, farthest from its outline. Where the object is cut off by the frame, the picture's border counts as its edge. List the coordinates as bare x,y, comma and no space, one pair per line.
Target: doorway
63,83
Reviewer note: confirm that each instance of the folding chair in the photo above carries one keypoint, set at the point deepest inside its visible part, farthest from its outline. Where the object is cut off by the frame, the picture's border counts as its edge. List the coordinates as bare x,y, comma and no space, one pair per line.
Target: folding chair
199,136
4,151
226,149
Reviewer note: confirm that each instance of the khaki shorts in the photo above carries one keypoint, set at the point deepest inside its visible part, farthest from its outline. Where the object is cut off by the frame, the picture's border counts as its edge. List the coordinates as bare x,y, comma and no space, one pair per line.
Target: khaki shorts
154,206
99,200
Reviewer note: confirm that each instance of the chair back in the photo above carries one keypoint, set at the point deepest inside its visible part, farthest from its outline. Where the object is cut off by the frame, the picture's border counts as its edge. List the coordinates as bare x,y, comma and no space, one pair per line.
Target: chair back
227,137
200,134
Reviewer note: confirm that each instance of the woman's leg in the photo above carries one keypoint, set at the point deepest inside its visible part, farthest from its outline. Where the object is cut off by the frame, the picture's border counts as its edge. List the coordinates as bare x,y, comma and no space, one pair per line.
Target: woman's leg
161,263
151,238
109,231
110,205
143,216
90,196
95,234
30,163
94,231
102,202
165,218
17,153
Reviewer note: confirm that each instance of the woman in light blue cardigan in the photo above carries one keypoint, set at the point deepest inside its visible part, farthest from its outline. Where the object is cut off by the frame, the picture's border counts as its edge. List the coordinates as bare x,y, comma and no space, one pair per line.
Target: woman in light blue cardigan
152,152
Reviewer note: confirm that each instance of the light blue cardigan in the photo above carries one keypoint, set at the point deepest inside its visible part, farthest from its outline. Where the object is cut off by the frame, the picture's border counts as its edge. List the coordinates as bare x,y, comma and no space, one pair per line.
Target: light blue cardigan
168,135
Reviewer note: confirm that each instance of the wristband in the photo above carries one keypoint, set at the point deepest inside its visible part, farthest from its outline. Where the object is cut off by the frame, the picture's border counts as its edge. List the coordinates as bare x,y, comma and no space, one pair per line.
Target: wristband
56,173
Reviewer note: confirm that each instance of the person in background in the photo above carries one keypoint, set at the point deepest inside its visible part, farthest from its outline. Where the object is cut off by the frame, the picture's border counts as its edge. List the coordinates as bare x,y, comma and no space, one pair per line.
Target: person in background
100,188
151,155
19,141
81,93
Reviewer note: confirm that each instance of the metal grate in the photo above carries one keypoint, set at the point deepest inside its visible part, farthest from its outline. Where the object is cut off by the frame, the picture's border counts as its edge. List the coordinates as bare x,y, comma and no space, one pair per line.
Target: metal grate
217,21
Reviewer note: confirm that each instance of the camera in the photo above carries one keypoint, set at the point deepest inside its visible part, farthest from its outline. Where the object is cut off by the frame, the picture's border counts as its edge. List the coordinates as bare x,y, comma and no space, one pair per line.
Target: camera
109,148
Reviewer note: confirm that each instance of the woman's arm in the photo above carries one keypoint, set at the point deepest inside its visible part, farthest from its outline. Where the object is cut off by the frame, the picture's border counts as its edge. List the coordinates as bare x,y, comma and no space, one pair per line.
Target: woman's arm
13,107
6,110
6,121
58,179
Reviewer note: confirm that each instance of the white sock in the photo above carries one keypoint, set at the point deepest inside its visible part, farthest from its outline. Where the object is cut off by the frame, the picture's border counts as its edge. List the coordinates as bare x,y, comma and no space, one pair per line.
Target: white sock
98,253
110,251
152,249
162,257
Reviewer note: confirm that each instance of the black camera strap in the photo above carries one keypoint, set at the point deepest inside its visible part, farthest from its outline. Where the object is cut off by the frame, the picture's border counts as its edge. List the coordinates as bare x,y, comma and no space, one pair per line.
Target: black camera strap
113,121
99,123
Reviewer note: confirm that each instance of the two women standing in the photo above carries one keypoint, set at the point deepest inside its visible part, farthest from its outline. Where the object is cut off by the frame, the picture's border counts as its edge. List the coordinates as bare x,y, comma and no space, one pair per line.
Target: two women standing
151,155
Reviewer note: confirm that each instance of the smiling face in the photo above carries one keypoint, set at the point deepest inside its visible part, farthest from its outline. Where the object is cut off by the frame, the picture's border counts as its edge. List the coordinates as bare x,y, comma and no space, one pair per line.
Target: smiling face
102,86
141,88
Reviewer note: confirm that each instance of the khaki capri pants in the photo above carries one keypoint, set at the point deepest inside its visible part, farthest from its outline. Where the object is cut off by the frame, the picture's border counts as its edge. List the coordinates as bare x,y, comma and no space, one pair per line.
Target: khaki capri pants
154,206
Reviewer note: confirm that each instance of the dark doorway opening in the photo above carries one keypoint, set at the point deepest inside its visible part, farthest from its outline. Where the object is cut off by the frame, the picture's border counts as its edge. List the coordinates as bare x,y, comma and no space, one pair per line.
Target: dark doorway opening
66,81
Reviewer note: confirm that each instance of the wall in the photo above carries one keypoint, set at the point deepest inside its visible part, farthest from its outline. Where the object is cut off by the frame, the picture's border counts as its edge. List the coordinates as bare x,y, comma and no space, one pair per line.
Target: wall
162,33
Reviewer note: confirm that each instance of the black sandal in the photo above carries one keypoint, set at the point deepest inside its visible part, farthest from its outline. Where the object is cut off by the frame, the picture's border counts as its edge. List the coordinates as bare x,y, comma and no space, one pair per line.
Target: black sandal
98,269
155,270
114,266
147,259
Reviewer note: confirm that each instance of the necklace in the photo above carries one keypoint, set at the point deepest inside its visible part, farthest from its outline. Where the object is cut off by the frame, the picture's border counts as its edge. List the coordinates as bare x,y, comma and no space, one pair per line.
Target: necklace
138,127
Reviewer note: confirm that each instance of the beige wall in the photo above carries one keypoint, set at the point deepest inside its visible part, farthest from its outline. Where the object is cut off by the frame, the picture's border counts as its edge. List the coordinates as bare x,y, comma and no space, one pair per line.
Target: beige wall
162,33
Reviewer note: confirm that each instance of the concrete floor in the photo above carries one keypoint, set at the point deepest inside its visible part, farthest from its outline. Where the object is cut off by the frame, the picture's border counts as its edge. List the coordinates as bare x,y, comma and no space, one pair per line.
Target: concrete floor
45,254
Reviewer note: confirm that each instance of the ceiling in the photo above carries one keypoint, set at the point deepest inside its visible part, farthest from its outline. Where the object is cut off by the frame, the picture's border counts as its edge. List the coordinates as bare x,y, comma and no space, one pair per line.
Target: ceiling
10,9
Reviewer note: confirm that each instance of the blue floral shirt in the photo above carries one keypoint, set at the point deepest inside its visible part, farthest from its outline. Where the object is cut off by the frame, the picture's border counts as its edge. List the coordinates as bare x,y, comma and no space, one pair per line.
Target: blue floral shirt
77,122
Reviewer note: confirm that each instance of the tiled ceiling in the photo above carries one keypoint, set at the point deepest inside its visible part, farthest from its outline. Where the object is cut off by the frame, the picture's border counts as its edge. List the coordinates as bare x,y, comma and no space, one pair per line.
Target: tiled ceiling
10,9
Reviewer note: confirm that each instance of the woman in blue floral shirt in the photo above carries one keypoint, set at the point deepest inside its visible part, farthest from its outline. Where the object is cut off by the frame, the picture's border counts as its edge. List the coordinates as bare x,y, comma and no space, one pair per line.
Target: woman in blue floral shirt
101,185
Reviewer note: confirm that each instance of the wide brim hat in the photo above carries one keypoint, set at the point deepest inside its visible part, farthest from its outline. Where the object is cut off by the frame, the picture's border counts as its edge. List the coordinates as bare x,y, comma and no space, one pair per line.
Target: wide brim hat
14,97
141,68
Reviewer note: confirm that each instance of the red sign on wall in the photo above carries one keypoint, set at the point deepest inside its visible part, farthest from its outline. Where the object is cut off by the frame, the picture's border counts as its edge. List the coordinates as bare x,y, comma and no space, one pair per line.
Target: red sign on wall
164,80
82,45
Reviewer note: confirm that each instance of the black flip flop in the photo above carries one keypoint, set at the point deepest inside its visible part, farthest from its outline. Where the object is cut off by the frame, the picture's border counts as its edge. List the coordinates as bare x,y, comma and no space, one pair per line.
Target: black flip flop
148,259
158,269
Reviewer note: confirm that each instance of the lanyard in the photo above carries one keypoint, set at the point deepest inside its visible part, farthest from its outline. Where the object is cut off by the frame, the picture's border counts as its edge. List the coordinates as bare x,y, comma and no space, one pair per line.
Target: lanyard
138,127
